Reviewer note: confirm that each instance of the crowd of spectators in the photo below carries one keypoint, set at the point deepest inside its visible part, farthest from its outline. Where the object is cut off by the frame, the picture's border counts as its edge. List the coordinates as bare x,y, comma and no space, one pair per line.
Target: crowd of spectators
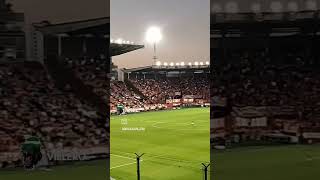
158,90
288,80
93,72
31,103
122,94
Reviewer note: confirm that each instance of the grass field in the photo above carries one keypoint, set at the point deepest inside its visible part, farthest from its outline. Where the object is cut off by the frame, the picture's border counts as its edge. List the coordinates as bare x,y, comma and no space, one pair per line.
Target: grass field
295,162
174,148
96,170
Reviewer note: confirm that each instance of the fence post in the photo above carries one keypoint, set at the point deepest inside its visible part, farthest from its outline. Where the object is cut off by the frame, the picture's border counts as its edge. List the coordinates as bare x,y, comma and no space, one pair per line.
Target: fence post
138,164
205,169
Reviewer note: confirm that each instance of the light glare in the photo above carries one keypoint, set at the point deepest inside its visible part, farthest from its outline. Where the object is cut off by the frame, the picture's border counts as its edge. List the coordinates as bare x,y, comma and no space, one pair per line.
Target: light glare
119,41
153,35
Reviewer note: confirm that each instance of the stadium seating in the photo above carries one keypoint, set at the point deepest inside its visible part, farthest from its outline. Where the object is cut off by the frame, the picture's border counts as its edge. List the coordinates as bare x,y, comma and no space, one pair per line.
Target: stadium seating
31,103
157,91
283,87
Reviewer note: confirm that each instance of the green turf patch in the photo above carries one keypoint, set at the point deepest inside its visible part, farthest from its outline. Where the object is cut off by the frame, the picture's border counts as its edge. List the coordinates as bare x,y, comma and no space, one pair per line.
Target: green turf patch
293,162
175,144
80,171
120,161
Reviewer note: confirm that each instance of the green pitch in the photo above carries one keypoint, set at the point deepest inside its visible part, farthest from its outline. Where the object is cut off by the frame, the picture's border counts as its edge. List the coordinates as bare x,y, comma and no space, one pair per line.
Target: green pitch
295,162
96,170
175,144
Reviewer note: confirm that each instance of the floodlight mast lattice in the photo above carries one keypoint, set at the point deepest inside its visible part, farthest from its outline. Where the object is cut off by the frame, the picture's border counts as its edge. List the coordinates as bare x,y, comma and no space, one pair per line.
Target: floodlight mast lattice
153,36
155,52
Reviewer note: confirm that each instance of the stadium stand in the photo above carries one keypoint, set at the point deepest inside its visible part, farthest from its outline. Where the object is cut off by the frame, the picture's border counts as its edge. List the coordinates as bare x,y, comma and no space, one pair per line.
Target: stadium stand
32,103
157,91
92,72
148,88
62,102
121,93
265,86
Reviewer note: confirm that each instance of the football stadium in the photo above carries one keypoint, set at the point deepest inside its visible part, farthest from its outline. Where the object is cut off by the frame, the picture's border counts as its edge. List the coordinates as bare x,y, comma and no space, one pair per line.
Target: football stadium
160,111
265,90
53,121
159,103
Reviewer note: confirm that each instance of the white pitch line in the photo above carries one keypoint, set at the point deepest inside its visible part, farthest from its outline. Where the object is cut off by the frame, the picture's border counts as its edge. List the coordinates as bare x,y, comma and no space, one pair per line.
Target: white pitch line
154,125
124,165
166,127
123,156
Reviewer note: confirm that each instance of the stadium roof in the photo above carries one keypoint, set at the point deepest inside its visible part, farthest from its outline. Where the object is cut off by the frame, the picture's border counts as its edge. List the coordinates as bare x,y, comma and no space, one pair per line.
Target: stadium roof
97,26
137,69
241,6
173,68
118,49
273,24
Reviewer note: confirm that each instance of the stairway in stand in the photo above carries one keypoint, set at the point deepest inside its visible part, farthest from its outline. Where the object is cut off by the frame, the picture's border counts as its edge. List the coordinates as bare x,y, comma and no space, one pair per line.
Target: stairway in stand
64,76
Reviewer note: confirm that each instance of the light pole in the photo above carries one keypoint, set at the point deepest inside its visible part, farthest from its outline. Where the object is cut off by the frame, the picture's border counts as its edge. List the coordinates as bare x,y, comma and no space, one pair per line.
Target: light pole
154,53
154,36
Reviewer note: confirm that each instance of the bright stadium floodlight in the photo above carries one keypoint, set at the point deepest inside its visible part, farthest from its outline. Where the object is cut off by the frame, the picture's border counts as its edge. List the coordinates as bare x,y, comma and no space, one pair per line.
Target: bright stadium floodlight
190,64
207,63
165,64
154,36
119,41
111,40
196,63
182,64
177,64
201,63
158,63
171,64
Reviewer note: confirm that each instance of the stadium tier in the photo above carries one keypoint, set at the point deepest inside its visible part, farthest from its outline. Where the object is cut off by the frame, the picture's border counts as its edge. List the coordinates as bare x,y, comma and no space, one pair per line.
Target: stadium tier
151,88
266,77
265,91
60,96
31,103
265,83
